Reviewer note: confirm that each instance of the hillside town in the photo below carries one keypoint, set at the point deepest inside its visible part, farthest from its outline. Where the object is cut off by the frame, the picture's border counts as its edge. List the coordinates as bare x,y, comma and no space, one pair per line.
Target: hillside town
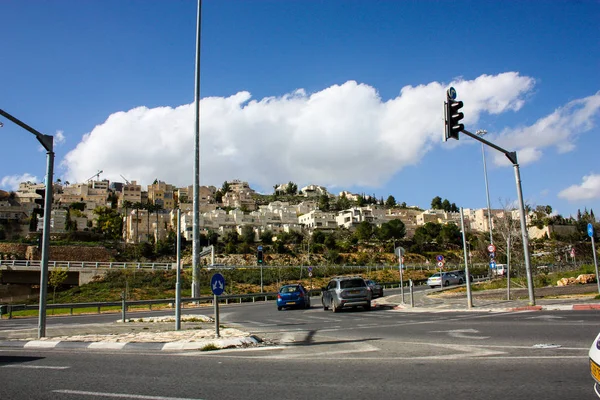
149,214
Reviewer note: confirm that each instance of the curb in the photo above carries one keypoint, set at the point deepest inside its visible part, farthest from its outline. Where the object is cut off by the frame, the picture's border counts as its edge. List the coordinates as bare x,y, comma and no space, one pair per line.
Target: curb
224,343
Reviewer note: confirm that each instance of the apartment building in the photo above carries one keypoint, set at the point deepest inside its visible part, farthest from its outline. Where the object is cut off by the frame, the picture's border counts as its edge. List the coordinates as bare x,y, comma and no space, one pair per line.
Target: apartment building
319,220
162,194
83,193
407,216
354,216
26,192
314,191
139,225
131,192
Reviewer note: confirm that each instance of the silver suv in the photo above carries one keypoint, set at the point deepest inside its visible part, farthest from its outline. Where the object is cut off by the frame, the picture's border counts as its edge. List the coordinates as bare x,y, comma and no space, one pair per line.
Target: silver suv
343,292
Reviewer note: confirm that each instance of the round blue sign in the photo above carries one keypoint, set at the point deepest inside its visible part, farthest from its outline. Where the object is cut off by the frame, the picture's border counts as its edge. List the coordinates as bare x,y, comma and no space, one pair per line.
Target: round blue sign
451,93
440,258
590,230
217,284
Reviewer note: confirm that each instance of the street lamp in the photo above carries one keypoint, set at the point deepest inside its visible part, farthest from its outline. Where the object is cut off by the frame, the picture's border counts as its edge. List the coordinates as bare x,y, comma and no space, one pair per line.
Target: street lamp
47,142
481,133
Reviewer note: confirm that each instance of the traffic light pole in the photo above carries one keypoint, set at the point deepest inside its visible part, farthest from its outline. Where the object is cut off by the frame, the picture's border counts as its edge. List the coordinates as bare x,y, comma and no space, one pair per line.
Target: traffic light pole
47,142
512,156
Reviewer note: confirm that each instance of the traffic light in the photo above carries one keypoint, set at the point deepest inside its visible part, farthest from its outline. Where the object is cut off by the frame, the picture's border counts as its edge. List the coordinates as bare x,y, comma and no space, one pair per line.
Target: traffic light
40,201
259,257
453,118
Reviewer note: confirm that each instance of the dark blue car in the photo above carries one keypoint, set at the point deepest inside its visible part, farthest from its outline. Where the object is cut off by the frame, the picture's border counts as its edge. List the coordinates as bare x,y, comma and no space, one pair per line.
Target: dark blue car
293,296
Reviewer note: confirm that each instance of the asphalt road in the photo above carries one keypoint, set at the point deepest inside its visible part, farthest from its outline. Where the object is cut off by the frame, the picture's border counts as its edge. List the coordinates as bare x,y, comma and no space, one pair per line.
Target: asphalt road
384,354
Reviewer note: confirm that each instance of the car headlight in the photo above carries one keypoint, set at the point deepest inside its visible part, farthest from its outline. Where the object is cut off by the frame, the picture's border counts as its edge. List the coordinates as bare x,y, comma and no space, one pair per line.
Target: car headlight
598,343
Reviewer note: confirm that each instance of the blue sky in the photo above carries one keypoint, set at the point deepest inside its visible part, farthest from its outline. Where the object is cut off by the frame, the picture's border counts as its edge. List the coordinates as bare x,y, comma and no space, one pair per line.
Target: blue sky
345,94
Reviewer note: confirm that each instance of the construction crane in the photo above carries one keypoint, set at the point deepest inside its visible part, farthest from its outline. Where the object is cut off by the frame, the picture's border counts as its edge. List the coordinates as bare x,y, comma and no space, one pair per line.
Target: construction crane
126,181
95,176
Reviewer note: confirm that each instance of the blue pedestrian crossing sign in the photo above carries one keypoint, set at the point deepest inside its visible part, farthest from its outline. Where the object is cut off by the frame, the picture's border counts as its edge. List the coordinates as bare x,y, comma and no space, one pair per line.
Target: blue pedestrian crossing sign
590,230
493,264
217,284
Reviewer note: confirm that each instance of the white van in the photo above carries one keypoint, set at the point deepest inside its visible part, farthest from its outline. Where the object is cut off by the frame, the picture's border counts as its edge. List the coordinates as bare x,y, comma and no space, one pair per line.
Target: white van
500,270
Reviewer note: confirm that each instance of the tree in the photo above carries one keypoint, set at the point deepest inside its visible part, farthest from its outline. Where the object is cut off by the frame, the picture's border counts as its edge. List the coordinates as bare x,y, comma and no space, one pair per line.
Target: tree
266,237
446,205
394,229
324,202
390,202
436,203
110,223
364,231
343,203
56,277
291,188
450,234
225,188
247,234
360,201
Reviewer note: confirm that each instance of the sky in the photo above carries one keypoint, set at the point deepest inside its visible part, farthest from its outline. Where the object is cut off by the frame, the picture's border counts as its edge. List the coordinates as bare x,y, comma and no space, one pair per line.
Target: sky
344,94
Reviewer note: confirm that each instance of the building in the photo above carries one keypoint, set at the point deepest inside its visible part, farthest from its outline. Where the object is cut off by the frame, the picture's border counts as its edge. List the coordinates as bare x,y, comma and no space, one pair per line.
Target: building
162,194
354,216
319,220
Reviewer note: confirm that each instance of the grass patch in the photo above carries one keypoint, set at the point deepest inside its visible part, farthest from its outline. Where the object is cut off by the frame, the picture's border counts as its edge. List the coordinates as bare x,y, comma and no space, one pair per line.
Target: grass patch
209,347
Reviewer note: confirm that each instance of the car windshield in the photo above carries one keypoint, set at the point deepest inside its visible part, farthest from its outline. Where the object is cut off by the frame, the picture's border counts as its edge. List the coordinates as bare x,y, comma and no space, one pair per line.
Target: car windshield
289,289
352,283
435,275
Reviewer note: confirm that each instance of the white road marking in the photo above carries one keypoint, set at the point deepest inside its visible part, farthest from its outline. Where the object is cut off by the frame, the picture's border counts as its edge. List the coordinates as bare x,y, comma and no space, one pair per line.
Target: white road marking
41,343
120,395
462,334
34,366
107,345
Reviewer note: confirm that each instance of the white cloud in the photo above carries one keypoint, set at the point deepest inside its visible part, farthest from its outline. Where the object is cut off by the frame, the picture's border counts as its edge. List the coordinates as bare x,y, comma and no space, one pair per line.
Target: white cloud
589,189
11,182
343,135
59,138
559,129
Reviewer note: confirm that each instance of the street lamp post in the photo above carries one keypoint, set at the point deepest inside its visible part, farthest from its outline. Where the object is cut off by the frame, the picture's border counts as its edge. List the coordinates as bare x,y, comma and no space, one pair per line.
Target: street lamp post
481,133
47,142
196,200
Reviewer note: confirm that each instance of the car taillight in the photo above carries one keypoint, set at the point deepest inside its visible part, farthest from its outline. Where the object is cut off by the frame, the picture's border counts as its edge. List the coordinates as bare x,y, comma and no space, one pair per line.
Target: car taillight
301,294
278,296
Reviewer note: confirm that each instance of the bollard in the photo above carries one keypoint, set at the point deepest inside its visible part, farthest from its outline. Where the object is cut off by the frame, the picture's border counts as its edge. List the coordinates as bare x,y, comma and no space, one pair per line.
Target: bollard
412,298
123,305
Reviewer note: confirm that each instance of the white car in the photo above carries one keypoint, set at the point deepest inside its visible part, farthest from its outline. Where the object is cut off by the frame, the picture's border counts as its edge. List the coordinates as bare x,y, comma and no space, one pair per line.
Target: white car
449,279
595,364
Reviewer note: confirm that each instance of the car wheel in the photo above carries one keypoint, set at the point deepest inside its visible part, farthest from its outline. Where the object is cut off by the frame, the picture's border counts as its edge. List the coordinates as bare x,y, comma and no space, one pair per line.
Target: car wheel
325,308
433,287
368,307
279,308
460,282
447,283
334,308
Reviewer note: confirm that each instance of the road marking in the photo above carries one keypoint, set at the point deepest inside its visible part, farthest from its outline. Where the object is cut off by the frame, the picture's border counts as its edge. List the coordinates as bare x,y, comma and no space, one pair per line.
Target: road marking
34,366
41,343
120,395
462,334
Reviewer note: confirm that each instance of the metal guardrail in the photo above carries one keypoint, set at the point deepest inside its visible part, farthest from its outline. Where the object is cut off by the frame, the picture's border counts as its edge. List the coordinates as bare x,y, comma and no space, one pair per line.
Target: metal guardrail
87,264
10,308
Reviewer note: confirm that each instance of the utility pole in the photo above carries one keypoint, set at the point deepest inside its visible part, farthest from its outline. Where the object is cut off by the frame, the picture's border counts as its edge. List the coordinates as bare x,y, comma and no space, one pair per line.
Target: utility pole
196,201
47,142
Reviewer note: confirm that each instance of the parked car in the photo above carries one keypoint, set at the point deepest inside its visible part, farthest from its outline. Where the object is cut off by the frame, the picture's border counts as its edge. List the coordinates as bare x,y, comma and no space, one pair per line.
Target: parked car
344,292
462,274
448,279
375,288
594,355
293,296
500,270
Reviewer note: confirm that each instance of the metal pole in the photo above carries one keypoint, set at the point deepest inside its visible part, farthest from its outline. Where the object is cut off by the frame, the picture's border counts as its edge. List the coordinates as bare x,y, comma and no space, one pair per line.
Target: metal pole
467,275
178,284
480,133
45,245
595,263
196,204
524,235
412,297
261,278
508,267
400,255
216,303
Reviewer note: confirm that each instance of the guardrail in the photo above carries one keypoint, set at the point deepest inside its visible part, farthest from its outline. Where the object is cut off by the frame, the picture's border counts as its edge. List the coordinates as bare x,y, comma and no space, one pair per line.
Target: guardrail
87,264
10,308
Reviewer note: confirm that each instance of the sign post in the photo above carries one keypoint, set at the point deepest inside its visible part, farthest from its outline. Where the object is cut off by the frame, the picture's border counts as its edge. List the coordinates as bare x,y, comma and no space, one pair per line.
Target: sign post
310,274
217,285
400,253
590,230
441,262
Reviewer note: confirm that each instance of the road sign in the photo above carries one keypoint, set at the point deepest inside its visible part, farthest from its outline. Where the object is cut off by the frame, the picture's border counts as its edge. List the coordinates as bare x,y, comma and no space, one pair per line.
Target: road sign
440,264
259,248
493,264
399,251
309,269
440,258
217,284
492,255
491,248
310,274
451,93
590,230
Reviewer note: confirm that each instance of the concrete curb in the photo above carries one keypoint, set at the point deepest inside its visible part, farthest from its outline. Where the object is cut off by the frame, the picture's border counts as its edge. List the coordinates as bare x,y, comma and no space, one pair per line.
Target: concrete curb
222,343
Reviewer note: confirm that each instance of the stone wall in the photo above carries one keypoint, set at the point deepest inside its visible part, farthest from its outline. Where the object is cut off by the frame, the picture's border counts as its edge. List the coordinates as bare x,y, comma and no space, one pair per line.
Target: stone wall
57,253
